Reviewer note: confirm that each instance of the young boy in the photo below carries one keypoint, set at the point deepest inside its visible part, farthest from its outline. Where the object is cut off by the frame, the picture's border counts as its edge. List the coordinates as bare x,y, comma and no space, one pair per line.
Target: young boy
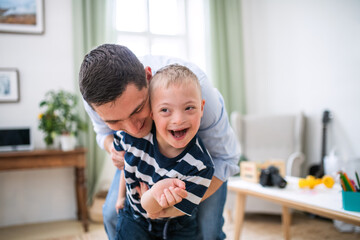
169,153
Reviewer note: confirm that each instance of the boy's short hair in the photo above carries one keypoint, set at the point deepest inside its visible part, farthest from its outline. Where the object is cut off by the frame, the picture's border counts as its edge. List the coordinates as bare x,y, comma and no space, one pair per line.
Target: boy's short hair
173,74
106,71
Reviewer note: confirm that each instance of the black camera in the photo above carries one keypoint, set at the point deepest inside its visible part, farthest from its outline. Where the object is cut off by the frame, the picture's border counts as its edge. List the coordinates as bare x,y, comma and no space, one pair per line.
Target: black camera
271,177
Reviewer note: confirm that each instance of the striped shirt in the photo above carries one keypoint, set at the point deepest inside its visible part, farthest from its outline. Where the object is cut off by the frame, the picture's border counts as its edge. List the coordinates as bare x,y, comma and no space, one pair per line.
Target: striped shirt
144,163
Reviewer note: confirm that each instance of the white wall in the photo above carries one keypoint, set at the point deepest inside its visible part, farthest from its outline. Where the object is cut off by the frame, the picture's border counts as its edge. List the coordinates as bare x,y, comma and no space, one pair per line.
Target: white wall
44,62
299,55
304,55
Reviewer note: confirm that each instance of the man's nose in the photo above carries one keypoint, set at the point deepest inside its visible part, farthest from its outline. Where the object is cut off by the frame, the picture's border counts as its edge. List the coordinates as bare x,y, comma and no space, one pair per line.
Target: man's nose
133,126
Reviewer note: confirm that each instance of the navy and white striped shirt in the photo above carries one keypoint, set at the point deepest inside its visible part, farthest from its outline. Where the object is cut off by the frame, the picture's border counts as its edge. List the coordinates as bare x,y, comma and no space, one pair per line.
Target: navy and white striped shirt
144,163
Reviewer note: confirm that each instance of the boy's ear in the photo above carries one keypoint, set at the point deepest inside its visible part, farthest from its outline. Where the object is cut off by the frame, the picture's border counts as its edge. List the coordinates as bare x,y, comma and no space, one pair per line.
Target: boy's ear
202,107
151,115
148,73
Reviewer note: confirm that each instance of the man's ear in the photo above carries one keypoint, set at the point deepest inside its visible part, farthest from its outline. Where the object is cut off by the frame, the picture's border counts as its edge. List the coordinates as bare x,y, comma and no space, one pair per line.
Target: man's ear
148,73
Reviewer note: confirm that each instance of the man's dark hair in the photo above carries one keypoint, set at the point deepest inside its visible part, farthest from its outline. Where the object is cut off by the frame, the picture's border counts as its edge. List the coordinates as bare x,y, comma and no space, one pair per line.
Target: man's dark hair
106,71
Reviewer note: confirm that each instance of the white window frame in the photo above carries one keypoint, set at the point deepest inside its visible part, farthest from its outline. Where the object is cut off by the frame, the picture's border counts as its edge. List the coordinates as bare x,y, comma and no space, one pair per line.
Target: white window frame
193,38
149,36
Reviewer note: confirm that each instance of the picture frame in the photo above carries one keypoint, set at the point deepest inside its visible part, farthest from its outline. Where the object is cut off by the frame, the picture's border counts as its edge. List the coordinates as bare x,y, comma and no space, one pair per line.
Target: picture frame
9,85
22,16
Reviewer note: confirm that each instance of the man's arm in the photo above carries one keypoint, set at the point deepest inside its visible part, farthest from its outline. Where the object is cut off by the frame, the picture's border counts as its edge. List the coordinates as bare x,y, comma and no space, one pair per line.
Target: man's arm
217,134
109,143
214,186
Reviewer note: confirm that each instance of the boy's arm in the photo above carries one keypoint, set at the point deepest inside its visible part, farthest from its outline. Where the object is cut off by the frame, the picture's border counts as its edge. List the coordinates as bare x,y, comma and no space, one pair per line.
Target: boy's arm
170,212
173,212
163,194
120,203
149,203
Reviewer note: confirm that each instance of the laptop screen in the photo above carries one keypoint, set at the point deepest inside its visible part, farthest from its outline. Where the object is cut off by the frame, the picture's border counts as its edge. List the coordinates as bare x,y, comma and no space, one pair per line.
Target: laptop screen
15,139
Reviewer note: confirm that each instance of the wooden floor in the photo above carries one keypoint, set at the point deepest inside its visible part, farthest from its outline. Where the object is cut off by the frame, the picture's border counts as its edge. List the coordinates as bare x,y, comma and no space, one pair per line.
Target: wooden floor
64,230
256,226
303,227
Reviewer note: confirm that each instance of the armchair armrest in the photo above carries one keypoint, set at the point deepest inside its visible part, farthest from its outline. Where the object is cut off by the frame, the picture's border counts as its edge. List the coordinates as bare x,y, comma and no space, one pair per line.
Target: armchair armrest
293,165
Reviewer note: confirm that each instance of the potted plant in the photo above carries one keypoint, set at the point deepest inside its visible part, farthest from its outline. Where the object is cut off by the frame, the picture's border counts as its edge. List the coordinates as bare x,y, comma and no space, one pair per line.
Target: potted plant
59,116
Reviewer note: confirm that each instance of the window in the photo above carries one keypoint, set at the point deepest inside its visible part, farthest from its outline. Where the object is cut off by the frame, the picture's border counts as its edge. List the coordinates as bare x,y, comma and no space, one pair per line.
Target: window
161,27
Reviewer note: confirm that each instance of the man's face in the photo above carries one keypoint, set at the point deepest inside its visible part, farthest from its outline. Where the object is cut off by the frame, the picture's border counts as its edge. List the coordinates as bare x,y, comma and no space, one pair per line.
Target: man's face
177,112
130,112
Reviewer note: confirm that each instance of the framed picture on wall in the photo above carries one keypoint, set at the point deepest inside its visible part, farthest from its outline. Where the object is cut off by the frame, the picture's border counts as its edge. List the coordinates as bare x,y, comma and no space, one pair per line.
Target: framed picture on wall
22,16
9,85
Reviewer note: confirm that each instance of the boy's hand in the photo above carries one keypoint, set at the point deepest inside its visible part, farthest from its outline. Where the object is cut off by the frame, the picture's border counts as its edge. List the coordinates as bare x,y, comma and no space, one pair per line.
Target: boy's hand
120,203
168,192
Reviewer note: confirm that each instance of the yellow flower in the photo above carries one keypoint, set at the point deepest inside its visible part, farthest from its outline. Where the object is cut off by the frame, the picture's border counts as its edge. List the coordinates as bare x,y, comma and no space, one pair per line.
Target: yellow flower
40,116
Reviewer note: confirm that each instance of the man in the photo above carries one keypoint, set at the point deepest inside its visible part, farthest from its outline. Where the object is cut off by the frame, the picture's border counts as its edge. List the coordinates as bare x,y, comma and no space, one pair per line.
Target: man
114,85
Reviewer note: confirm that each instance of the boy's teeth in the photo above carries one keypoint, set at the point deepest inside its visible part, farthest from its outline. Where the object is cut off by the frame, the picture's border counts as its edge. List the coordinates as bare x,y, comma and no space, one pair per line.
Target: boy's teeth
178,134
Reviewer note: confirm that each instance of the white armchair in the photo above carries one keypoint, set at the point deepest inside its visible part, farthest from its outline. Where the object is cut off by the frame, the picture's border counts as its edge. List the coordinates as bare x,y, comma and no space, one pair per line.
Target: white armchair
269,137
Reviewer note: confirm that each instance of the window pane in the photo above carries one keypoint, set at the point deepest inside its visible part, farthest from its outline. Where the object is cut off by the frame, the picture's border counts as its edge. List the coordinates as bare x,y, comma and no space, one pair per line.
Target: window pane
137,44
169,47
167,17
131,15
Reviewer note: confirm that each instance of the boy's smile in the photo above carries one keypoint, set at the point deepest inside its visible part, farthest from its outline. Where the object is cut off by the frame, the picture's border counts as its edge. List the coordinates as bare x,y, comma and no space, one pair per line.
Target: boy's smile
178,134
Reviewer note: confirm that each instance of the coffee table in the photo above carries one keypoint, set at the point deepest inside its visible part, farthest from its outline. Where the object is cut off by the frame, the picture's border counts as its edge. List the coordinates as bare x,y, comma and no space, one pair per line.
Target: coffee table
320,201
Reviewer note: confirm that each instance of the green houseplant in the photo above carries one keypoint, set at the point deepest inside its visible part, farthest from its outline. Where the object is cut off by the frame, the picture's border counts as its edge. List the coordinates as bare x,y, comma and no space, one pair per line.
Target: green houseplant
59,115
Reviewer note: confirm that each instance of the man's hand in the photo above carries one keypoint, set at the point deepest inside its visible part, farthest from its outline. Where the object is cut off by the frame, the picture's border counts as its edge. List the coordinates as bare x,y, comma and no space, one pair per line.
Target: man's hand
116,156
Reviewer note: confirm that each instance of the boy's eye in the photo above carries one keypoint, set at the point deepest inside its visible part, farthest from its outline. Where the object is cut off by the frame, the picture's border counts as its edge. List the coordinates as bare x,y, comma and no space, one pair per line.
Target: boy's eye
164,110
189,108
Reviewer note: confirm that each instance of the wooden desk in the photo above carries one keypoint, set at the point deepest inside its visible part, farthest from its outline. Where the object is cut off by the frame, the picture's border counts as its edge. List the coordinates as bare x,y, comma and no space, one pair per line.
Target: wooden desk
321,201
53,159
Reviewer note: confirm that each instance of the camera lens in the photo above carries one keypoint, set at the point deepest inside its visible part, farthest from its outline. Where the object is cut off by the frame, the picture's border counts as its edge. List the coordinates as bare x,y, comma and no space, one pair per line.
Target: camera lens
277,180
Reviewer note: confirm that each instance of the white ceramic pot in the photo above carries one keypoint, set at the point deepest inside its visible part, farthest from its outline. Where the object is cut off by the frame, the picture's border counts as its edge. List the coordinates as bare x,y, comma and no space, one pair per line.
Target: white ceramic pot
67,142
